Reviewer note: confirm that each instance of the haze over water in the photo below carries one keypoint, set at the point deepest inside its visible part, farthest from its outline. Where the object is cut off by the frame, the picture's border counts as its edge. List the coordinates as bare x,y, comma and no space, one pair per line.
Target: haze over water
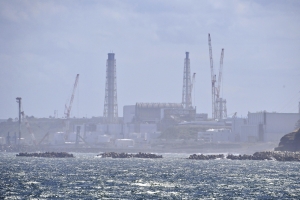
173,177
45,43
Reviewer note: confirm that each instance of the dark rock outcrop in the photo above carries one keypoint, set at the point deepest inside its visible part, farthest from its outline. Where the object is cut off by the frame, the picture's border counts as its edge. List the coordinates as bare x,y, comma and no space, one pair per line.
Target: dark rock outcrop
47,155
206,157
290,142
264,155
268,155
128,155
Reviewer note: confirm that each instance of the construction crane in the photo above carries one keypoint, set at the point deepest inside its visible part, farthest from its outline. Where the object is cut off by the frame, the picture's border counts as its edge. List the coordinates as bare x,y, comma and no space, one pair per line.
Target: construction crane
192,84
28,128
213,79
46,135
219,110
220,75
68,108
234,115
193,81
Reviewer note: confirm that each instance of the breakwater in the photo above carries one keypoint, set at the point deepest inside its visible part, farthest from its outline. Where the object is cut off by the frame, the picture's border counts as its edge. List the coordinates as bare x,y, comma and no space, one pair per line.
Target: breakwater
206,157
47,155
128,155
265,155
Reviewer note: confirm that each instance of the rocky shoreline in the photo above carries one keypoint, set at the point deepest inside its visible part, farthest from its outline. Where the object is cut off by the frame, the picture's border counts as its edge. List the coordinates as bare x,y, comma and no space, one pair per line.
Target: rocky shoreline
290,142
47,155
265,155
206,157
128,155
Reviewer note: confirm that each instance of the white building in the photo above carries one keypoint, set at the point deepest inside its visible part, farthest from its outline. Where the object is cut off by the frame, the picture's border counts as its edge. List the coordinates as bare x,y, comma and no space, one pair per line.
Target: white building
216,136
115,130
128,114
267,127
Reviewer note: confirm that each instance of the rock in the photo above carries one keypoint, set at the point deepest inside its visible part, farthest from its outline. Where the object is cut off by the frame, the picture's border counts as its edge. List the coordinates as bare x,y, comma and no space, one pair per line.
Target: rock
264,155
290,142
206,157
47,155
126,155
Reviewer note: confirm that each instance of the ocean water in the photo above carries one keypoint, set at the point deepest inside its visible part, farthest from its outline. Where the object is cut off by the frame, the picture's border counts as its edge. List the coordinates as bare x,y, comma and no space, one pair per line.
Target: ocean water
173,177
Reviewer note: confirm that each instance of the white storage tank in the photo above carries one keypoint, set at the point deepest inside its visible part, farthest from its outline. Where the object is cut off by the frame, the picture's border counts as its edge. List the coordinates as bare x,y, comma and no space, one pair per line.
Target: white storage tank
124,143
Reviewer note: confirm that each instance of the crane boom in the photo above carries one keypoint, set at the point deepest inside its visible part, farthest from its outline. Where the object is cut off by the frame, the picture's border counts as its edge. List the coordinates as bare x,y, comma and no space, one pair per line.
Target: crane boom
192,85
193,81
68,109
220,74
211,58
28,128
213,78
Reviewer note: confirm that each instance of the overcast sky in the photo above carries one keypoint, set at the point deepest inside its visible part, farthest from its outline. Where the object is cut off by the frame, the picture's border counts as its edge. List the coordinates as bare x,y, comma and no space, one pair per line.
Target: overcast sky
44,44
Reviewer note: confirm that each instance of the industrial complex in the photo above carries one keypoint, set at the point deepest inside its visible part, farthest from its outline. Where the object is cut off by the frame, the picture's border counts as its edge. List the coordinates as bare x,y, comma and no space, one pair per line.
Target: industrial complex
148,124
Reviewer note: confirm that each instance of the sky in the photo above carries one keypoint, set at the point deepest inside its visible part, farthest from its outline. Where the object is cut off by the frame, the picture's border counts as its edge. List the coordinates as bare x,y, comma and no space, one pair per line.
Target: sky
44,44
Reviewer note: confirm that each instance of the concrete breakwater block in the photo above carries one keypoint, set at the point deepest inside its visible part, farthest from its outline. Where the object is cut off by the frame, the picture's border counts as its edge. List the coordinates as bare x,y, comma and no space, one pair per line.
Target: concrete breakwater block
47,155
264,155
127,155
206,157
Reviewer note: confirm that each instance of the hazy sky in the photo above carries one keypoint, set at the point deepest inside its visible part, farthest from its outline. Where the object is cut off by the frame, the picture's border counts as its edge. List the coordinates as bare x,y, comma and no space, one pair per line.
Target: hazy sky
44,44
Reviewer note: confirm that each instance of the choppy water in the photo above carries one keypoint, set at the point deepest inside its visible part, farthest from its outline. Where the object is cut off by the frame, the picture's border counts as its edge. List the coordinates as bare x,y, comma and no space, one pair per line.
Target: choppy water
87,177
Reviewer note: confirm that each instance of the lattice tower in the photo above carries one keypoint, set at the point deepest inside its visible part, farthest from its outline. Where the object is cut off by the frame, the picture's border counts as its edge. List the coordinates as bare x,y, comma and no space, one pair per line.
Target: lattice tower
186,90
110,112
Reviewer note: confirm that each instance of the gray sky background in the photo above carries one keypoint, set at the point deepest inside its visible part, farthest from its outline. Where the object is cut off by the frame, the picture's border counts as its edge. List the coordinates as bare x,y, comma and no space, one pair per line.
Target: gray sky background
44,44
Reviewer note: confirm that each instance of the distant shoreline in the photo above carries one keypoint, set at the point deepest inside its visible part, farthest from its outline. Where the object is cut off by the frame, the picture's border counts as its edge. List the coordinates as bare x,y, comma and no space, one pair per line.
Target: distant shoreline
247,148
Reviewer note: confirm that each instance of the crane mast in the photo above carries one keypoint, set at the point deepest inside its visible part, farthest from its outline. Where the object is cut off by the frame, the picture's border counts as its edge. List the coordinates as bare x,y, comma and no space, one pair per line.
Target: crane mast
220,74
220,106
192,84
68,109
213,79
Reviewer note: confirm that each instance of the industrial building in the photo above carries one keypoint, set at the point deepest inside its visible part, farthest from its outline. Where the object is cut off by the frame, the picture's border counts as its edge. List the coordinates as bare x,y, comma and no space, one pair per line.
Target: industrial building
216,136
268,127
145,121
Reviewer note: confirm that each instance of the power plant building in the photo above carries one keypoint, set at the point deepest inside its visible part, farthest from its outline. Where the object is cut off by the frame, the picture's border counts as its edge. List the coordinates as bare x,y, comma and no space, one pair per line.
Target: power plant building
265,126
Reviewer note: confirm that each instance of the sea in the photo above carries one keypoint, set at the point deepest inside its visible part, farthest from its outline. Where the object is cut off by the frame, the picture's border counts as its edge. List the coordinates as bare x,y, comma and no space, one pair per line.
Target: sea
173,177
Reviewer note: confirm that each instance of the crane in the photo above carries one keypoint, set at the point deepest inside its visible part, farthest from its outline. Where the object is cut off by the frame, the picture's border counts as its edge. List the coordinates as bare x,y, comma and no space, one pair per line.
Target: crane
234,115
193,83
68,108
220,74
213,79
28,128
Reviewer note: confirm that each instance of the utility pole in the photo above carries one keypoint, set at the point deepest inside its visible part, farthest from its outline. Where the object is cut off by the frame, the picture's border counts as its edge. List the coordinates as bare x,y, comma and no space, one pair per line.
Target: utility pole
19,102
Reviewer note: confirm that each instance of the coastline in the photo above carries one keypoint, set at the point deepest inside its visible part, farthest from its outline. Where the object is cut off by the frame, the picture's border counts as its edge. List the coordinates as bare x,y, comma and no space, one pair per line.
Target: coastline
236,148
